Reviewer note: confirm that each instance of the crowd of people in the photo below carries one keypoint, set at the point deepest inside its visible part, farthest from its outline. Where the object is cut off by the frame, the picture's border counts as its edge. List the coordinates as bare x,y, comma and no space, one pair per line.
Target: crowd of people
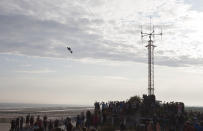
82,122
119,114
30,123
116,107
165,116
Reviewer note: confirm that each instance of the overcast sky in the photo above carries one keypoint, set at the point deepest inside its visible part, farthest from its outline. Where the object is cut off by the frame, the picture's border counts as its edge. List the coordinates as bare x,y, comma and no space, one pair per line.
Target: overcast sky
109,59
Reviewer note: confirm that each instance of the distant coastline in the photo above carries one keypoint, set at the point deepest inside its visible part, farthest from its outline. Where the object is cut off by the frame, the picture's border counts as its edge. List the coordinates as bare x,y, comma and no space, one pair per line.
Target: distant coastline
32,105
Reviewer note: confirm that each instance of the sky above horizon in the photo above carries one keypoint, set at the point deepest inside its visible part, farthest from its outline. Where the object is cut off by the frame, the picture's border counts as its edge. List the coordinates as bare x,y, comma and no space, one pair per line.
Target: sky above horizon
109,60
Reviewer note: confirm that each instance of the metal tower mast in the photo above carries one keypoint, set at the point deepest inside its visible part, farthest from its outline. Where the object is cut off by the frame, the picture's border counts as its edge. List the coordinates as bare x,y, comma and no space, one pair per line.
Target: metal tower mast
150,47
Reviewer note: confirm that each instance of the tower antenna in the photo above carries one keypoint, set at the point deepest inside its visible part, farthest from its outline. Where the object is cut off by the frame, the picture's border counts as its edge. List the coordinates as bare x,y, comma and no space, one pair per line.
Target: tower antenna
150,46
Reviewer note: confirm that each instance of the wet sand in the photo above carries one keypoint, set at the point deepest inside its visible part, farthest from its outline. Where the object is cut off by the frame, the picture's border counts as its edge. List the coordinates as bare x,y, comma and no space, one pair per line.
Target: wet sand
4,126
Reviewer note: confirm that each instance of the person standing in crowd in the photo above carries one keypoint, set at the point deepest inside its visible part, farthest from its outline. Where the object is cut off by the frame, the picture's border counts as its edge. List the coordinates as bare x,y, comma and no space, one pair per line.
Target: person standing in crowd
122,126
17,124
78,121
150,126
35,127
39,123
158,127
45,122
69,126
31,121
27,120
21,122
104,116
95,119
56,126
50,125
13,125
82,118
88,119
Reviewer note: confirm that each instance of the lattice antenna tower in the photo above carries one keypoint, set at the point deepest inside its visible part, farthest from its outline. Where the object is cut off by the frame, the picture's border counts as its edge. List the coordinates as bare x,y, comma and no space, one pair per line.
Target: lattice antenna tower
150,46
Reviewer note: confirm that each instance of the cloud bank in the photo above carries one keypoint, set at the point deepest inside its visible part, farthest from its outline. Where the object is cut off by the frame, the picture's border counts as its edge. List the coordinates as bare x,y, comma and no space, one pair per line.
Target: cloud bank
101,29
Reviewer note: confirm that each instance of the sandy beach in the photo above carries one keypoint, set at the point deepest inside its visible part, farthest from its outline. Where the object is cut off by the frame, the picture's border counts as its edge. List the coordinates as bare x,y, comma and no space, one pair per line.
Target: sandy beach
4,126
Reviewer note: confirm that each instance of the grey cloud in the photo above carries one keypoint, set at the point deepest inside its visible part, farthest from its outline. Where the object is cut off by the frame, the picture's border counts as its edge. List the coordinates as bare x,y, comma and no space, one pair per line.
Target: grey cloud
24,33
182,61
28,36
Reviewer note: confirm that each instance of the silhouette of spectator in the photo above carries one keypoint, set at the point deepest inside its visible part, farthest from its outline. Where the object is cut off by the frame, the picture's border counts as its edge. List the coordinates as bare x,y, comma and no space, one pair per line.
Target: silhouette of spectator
158,127
21,123
88,119
27,120
13,125
50,125
69,125
17,124
78,121
31,121
95,120
45,122
39,123
150,126
122,126
56,126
